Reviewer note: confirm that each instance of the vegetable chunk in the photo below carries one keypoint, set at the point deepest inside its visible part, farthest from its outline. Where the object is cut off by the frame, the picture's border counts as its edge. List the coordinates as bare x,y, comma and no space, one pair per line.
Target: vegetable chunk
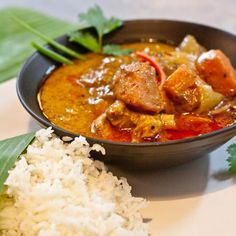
215,68
190,45
182,89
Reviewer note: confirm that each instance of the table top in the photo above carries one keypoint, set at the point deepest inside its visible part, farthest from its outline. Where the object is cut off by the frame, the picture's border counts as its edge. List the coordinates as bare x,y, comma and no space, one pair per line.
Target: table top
196,198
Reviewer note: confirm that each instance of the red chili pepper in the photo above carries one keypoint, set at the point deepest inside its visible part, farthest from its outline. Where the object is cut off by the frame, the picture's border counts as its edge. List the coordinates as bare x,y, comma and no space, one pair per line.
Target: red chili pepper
158,68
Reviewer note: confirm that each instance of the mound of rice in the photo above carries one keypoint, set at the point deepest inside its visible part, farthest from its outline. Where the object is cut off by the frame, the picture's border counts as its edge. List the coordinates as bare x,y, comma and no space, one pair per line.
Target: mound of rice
55,189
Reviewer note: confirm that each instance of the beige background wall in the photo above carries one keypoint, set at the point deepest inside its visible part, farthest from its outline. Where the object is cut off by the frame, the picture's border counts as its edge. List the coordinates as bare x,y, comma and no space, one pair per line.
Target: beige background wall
218,13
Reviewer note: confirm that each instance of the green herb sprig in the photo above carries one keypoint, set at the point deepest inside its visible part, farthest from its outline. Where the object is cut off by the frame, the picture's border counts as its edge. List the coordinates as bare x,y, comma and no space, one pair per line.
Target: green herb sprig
92,19
85,39
95,19
116,50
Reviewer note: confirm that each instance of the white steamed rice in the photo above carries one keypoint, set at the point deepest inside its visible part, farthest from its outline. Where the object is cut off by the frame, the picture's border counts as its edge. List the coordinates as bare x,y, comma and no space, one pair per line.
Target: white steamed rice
55,189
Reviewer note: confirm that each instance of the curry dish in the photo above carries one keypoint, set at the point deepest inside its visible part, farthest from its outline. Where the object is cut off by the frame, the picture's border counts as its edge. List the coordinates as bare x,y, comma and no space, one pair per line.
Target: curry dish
156,93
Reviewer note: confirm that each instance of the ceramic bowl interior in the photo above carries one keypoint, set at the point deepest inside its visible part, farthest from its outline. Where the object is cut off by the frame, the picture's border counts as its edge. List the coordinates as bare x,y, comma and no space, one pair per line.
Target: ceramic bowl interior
137,155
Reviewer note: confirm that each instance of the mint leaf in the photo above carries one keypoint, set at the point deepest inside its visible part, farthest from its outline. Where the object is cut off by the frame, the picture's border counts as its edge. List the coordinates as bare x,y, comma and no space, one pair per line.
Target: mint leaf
86,39
10,150
116,50
232,158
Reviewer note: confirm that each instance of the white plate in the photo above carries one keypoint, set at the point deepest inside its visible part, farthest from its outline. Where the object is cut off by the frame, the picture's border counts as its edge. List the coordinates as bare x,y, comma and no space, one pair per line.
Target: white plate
195,199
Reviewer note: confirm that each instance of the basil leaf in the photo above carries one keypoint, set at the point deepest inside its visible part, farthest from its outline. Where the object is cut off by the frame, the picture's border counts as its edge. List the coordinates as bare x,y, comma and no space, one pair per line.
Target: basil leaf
17,39
86,39
116,50
10,150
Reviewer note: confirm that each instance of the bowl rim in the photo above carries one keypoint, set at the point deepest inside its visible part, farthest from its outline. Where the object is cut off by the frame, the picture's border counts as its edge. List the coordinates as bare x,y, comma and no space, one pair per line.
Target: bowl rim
44,121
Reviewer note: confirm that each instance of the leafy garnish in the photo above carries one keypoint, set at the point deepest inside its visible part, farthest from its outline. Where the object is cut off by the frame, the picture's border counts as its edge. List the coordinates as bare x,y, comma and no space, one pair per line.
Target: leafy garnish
232,158
85,39
116,50
112,24
15,40
47,39
10,150
53,55
95,18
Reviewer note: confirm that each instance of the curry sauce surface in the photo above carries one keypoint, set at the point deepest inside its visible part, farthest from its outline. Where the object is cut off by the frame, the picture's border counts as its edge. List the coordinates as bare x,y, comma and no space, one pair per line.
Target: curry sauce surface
73,96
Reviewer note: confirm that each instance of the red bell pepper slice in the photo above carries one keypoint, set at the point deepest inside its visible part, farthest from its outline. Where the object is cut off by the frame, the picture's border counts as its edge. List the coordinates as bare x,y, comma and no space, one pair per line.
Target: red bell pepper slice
158,68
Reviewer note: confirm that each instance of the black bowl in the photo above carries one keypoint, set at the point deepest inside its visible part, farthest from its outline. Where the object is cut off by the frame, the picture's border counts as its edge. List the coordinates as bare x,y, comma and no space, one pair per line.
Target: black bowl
136,155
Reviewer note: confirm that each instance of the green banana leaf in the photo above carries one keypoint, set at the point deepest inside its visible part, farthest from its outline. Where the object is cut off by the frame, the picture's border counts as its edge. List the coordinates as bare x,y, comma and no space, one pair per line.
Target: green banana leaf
10,150
15,40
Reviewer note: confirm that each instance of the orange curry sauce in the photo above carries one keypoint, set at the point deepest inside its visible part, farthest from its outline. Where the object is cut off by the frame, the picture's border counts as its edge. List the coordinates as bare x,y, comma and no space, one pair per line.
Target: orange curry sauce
73,96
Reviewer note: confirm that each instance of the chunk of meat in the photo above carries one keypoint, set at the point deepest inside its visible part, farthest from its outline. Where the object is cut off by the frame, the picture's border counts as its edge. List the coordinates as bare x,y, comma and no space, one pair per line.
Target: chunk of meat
136,86
104,130
182,89
101,126
148,126
140,125
168,105
120,116
160,72
215,68
168,121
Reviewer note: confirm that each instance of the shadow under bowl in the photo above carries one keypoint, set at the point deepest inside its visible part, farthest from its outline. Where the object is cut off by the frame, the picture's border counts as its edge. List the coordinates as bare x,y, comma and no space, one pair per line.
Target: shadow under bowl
136,155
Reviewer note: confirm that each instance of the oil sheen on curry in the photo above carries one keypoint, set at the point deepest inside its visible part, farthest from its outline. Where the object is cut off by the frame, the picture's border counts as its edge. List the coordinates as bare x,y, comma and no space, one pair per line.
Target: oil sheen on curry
156,93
